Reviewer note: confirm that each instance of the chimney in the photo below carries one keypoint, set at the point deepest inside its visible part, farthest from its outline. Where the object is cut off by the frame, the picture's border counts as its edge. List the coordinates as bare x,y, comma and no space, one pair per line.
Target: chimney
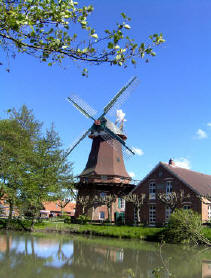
171,162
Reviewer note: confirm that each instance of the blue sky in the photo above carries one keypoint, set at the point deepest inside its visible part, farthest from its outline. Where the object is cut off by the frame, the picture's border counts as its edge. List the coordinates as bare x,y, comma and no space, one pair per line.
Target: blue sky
164,113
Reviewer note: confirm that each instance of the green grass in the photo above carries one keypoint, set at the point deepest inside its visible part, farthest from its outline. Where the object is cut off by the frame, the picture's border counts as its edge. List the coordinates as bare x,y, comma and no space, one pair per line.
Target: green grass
102,230
207,232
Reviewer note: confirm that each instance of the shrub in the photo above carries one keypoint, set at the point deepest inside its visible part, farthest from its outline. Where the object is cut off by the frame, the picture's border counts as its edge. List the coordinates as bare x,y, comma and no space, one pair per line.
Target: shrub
67,220
83,219
184,227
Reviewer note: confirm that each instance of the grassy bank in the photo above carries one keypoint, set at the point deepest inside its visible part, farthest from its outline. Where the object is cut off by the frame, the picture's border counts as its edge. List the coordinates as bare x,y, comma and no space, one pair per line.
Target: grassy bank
125,232
129,232
143,233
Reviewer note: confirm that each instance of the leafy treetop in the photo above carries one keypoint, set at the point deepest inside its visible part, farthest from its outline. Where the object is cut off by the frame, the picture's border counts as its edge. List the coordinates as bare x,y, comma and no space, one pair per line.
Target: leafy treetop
56,29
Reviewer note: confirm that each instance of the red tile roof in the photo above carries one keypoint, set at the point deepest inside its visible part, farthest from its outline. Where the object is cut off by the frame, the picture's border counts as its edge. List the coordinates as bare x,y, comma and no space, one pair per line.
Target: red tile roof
53,206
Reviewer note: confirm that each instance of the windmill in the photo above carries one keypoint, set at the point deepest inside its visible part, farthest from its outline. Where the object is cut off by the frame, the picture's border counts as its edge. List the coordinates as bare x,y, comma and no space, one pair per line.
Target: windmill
105,170
101,124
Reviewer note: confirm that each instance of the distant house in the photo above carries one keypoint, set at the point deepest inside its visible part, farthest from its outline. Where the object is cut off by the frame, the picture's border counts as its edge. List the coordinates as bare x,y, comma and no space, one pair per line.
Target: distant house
167,178
4,209
54,209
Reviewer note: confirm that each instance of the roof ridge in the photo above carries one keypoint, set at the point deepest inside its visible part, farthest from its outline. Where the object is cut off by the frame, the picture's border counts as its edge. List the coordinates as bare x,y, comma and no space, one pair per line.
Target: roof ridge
185,169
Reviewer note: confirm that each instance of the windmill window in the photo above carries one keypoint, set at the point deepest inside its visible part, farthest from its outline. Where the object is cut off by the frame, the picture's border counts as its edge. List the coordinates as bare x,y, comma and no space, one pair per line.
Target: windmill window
102,194
104,178
102,215
121,203
118,159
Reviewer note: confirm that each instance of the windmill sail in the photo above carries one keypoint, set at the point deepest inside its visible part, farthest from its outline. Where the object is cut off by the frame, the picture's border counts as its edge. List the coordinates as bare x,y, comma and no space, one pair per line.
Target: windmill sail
116,145
118,138
72,147
82,106
121,96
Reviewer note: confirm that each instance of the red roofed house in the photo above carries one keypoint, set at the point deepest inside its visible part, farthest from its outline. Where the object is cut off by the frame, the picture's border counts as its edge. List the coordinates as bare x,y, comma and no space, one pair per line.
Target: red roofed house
165,178
53,209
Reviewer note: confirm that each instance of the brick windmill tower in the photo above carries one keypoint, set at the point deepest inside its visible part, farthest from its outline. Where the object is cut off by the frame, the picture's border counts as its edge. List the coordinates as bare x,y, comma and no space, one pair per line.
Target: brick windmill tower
105,172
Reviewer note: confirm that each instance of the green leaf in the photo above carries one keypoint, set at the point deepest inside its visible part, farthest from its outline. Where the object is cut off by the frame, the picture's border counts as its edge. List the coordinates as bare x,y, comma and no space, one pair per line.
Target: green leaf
123,15
133,61
110,45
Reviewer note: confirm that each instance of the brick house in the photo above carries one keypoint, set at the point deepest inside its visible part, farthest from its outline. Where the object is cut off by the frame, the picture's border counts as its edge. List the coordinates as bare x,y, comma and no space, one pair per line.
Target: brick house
166,178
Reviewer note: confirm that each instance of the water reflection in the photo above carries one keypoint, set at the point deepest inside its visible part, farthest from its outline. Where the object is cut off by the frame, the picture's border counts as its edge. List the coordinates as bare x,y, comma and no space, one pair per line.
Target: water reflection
52,256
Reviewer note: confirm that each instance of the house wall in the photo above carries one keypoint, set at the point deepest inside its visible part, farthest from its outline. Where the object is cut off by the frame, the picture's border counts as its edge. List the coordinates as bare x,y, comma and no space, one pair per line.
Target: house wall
160,176
94,212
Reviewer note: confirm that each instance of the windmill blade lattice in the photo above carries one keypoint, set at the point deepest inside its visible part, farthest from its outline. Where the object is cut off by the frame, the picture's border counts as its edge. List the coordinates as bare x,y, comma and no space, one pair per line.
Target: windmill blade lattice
121,100
116,145
82,106
110,140
118,138
77,141
121,97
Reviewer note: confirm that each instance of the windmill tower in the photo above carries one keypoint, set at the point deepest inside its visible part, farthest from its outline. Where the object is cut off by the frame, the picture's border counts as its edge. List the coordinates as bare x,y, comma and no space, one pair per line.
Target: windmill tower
105,172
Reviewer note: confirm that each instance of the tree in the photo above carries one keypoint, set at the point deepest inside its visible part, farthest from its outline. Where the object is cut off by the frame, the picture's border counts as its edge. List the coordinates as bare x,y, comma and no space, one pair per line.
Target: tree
173,199
108,200
54,30
137,200
85,202
14,145
48,174
65,195
33,167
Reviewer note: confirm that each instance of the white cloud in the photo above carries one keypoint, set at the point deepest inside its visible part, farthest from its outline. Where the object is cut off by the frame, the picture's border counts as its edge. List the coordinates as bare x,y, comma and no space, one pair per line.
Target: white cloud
182,162
209,124
201,134
137,151
131,174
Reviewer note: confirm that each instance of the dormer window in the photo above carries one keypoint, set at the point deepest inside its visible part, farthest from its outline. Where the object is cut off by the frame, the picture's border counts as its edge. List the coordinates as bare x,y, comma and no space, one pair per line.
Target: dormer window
152,190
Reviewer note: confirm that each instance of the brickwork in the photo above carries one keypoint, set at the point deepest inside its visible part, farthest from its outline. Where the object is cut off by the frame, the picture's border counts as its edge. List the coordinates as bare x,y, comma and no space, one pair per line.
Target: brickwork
160,176
95,190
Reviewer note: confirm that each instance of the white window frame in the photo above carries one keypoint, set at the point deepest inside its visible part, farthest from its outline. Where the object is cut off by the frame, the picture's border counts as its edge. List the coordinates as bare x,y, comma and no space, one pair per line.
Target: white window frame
209,212
168,212
168,187
152,214
122,203
152,190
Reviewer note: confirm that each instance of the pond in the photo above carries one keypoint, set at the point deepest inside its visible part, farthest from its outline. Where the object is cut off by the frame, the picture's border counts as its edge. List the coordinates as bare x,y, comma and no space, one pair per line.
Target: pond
66,256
